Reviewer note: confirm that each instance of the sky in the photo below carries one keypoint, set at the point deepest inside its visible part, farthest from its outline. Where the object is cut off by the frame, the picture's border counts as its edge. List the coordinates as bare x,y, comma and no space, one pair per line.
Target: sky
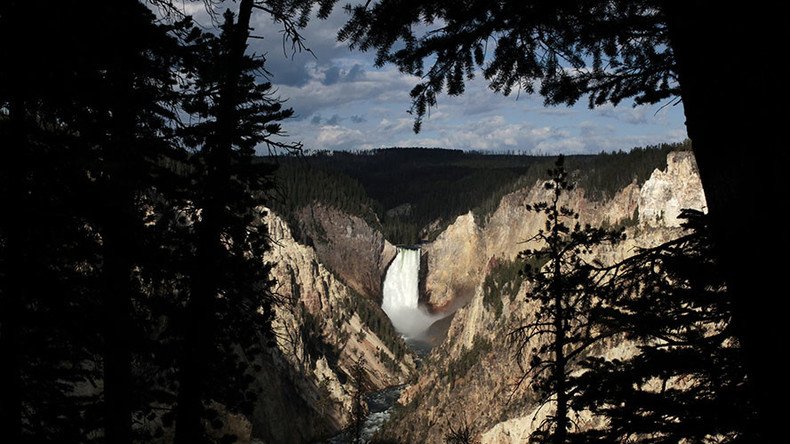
342,101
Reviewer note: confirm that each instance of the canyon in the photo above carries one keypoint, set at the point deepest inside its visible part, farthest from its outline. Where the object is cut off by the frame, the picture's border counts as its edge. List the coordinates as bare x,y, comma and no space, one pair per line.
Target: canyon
342,291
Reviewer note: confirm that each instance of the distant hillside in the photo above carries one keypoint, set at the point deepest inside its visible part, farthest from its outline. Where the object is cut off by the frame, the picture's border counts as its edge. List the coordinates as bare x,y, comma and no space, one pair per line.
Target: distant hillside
411,194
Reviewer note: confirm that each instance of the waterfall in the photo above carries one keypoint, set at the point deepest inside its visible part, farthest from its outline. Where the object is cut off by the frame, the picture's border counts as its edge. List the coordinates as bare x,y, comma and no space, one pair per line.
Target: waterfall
402,292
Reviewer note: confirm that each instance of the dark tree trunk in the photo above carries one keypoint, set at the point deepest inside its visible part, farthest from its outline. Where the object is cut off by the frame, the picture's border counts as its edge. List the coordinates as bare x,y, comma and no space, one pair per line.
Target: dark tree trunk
735,99
560,371
119,221
559,321
17,276
117,329
210,250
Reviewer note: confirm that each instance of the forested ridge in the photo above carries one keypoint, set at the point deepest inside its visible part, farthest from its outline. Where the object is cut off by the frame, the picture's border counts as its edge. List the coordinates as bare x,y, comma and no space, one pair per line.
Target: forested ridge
412,194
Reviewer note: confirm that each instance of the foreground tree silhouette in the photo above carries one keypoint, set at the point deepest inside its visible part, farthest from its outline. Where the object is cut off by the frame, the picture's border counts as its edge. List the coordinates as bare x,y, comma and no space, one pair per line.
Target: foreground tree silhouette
231,303
648,51
687,382
138,100
565,288
95,269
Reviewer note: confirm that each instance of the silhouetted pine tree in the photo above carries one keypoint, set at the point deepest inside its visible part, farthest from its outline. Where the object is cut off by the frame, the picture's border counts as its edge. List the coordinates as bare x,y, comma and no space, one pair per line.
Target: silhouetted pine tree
230,301
15,237
138,99
98,256
687,382
566,288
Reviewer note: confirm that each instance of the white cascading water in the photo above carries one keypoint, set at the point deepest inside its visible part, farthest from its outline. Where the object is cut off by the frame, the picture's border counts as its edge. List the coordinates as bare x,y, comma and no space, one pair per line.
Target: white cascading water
402,292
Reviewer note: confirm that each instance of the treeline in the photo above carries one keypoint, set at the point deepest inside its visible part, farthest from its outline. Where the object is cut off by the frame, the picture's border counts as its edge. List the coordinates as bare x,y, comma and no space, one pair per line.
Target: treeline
298,184
134,304
412,194
605,174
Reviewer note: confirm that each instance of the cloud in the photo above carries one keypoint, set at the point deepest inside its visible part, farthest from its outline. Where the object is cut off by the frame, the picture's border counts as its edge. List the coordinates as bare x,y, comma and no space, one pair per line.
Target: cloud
372,88
335,74
331,75
634,115
590,130
571,145
492,132
293,68
334,120
604,139
367,105
356,73
393,126
335,136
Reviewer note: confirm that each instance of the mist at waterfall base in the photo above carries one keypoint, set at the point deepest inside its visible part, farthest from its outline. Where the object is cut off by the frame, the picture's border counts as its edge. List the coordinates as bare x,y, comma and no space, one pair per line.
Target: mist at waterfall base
401,295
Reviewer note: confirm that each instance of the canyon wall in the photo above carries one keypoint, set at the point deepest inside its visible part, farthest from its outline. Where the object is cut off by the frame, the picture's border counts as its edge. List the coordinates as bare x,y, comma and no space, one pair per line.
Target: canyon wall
322,328
347,245
458,256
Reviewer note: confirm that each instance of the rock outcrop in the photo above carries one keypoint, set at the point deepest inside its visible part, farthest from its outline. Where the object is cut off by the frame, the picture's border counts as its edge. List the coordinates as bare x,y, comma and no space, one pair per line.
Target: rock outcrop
667,192
458,255
449,281
348,246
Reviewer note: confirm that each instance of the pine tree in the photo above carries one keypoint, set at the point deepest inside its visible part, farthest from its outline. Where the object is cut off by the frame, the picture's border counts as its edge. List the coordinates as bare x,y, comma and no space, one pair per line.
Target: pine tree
230,302
565,287
687,382
95,129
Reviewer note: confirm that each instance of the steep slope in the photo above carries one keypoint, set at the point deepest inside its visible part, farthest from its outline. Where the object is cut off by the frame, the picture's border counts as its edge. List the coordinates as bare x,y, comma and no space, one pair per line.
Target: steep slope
456,259
471,377
413,194
347,245
322,329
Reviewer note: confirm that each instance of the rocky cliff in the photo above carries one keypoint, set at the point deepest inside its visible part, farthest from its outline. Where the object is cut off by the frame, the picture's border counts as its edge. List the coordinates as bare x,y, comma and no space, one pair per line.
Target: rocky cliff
472,376
458,256
322,328
667,192
347,245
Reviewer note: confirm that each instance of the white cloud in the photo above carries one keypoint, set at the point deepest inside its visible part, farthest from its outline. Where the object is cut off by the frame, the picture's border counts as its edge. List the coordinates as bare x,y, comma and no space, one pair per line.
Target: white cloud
343,101
373,88
634,115
569,145
337,136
